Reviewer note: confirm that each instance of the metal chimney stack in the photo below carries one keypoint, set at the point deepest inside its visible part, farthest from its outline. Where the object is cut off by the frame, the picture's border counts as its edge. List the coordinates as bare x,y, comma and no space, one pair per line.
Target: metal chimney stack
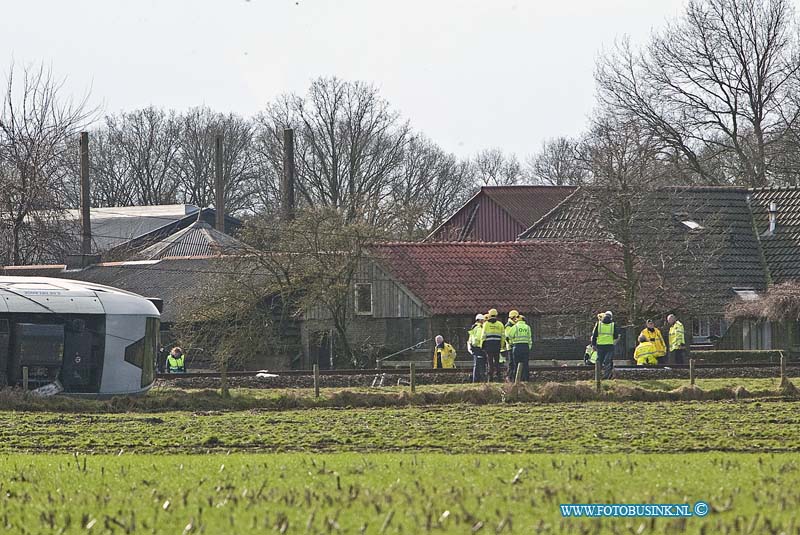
773,217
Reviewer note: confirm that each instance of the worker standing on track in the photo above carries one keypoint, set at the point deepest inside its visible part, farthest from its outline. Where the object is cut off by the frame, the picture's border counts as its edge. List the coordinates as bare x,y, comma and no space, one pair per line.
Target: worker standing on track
652,334
677,340
605,335
521,340
646,352
492,339
475,349
444,355
506,356
176,361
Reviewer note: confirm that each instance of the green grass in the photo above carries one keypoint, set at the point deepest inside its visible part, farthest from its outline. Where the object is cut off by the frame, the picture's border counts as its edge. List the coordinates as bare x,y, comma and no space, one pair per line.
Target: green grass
745,426
390,493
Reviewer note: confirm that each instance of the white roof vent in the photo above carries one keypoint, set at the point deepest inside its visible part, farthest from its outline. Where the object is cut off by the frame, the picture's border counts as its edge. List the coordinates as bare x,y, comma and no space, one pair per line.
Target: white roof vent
692,225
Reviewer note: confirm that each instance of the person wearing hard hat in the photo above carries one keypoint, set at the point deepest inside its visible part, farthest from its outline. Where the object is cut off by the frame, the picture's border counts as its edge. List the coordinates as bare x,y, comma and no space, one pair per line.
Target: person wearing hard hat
493,336
506,357
444,354
475,349
605,335
521,339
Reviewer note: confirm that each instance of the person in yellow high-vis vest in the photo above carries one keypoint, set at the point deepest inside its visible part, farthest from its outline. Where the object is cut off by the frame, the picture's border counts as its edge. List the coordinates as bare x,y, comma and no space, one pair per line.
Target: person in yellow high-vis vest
444,354
474,344
653,334
604,336
677,340
493,337
520,338
646,353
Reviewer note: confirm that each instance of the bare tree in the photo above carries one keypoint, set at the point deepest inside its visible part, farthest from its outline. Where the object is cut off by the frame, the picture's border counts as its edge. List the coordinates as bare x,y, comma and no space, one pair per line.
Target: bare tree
149,141
313,263
349,145
112,181
492,167
38,135
717,81
194,162
557,163
428,186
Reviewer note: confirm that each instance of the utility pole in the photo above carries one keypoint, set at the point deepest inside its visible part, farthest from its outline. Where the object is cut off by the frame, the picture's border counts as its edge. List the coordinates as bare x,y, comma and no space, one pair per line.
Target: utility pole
86,223
219,185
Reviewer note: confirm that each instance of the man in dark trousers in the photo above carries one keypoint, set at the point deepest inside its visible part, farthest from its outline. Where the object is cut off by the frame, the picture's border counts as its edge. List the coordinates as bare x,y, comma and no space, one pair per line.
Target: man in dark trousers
492,338
604,336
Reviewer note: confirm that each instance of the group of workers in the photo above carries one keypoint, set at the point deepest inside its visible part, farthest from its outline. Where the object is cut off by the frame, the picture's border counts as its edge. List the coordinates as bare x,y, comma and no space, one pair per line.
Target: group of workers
650,346
492,343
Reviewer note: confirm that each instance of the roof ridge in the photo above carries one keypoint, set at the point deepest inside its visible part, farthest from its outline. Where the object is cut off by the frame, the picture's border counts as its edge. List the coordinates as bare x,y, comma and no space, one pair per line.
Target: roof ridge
549,214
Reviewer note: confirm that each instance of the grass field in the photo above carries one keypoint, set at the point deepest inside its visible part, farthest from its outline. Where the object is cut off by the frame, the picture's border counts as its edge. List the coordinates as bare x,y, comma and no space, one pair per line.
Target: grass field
391,493
746,426
249,464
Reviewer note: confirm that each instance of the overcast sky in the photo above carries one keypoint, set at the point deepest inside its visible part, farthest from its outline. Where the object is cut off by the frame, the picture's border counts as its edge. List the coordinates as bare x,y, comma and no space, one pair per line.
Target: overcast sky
469,74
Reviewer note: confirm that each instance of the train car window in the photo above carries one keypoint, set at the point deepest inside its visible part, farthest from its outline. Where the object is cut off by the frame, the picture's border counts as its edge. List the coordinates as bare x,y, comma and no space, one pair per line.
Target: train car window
39,344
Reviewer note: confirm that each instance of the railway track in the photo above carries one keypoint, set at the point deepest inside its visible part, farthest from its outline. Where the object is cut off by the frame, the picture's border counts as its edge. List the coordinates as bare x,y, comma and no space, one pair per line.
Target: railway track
460,371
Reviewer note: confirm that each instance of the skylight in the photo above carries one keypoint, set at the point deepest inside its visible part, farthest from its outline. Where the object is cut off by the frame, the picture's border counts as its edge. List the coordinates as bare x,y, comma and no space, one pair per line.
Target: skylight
692,225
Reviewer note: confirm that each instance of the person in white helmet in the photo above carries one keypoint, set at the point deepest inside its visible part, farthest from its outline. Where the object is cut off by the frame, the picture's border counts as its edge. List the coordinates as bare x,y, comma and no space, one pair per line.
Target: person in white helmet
474,343
605,335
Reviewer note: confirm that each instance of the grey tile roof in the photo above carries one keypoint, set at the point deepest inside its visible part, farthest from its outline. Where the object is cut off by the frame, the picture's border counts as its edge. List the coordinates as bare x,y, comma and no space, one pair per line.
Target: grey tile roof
733,259
782,248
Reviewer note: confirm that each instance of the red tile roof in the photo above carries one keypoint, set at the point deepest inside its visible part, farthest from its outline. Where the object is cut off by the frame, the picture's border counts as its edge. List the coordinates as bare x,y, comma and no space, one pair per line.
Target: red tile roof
533,277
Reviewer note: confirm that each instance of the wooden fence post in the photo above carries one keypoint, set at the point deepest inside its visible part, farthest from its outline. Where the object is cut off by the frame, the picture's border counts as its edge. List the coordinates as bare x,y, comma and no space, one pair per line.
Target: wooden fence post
691,372
597,376
783,369
518,377
413,374
316,380
25,378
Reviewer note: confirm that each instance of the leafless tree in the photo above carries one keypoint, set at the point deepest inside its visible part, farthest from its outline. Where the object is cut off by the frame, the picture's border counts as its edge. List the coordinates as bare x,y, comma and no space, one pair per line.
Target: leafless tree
194,162
428,186
492,167
557,164
38,132
149,141
349,143
112,182
716,81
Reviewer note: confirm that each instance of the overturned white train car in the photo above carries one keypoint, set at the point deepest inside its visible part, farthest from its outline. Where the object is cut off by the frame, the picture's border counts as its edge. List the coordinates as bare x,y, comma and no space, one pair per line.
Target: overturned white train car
91,339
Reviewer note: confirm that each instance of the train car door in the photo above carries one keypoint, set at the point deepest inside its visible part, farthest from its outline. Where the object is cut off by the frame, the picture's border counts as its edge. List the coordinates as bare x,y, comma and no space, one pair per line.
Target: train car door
79,371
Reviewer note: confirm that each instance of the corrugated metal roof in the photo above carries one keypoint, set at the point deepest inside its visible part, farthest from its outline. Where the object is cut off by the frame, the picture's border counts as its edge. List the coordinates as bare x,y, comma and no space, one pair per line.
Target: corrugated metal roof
197,240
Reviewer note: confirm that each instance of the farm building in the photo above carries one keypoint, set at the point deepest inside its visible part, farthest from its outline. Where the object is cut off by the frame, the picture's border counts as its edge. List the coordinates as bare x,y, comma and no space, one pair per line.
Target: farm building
500,213
410,292
179,270
744,250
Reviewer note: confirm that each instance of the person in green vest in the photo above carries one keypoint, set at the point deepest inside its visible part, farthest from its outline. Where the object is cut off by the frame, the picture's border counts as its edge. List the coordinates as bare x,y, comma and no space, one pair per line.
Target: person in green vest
604,337
475,349
520,338
176,361
506,356
677,340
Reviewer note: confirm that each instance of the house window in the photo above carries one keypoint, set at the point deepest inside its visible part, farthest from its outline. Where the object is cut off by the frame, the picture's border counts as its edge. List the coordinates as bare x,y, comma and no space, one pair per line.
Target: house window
701,327
363,300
